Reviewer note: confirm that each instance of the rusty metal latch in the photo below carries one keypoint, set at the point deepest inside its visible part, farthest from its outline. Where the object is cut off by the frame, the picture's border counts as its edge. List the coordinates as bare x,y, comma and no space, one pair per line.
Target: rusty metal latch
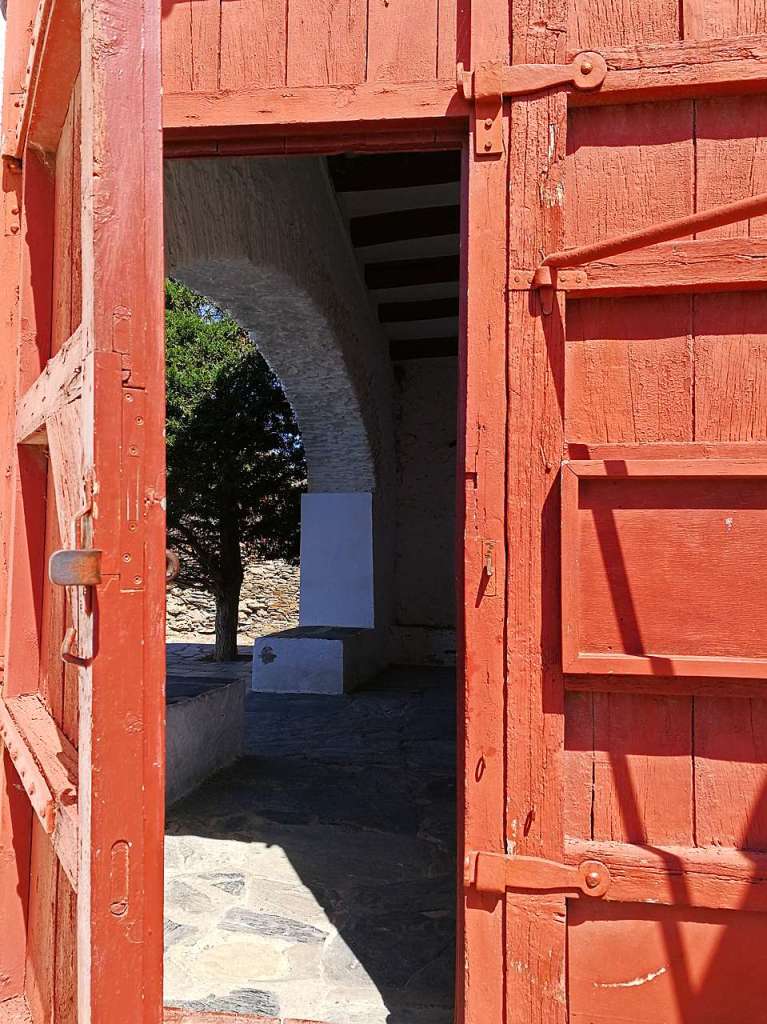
495,873
489,82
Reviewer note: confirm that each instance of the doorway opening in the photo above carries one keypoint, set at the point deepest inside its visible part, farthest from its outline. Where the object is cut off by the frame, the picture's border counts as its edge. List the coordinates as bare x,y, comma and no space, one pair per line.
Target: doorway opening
313,876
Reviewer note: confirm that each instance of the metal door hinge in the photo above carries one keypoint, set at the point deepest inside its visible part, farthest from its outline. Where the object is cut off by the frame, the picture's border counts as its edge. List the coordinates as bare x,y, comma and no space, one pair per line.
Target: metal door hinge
495,873
490,82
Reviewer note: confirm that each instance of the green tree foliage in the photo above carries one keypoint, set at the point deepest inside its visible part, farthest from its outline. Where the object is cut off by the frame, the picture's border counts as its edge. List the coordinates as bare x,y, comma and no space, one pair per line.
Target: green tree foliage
235,460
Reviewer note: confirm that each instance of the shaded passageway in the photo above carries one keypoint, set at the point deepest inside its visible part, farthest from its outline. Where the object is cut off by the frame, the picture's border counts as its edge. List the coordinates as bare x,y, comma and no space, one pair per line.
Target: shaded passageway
315,879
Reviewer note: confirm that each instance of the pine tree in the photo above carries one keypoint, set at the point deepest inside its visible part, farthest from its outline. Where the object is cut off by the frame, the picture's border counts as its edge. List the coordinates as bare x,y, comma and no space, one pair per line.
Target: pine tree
235,459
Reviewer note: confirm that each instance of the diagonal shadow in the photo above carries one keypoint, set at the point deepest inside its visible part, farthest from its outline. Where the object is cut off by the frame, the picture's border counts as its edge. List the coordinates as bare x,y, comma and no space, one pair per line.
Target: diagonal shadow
692,1003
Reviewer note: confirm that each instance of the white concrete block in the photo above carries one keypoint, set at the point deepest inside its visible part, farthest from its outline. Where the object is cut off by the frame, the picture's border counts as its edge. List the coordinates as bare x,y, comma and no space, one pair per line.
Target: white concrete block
316,660
337,583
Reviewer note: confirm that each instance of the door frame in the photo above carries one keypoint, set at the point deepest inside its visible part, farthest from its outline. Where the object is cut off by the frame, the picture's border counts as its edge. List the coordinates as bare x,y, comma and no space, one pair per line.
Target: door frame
480,510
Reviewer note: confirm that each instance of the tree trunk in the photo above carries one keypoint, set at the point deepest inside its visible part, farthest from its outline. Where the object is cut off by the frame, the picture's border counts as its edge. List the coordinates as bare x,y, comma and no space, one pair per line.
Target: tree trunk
227,613
229,586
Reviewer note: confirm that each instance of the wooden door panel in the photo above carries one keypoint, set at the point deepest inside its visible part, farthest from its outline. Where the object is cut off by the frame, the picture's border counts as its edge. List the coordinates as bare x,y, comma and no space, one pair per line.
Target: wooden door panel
644,965
81,708
629,367
662,605
661,565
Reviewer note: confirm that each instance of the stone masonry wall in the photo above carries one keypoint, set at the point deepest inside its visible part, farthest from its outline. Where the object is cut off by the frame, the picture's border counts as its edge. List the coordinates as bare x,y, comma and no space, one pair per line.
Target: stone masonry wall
268,604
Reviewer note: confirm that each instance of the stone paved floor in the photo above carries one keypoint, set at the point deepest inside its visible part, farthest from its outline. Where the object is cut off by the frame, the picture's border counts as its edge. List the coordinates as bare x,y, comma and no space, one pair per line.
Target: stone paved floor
315,879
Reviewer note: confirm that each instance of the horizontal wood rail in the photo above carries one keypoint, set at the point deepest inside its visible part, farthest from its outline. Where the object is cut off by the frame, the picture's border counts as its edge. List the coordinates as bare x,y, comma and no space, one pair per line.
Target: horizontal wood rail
694,265
713,877
717,216
301,107
47,765
634,74
659,71
58,384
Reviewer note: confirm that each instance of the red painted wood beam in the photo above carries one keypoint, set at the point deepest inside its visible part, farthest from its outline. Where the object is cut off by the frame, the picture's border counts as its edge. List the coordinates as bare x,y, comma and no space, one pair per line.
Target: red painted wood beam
52,66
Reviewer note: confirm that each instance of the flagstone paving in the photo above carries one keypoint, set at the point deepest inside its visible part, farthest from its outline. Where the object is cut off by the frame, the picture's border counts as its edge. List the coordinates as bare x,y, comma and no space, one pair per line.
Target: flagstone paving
315,879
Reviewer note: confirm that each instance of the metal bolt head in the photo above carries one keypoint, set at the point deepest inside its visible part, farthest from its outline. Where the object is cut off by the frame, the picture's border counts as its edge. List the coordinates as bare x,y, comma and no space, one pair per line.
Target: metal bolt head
488,145
488,123
593,878
587,66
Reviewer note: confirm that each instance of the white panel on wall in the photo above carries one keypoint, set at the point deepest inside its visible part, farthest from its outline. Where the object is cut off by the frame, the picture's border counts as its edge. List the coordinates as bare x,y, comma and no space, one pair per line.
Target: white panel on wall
337,560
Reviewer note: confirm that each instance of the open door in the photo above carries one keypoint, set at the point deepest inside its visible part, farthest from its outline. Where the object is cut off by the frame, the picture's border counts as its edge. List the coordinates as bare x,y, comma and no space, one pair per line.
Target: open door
82,709
616,506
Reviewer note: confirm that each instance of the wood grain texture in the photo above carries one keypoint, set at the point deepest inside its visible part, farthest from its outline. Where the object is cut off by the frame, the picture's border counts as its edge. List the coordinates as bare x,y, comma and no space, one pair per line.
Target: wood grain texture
719,19
482,407
402,40
535,380
730,378
253,44
637,767
629,372
628,167
326,42
596,24
730,152
731,773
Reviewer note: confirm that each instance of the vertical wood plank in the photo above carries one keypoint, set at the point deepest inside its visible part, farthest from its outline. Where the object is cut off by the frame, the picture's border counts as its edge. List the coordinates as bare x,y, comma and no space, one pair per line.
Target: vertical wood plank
704,19
731,158
731,773
253,43
402,41
628,167
65,1004
177,45
41,928
481,506
15,808
730,367
595,24
205,44
119,912
535,381
326,42
629,370
579,765
643,790
451,15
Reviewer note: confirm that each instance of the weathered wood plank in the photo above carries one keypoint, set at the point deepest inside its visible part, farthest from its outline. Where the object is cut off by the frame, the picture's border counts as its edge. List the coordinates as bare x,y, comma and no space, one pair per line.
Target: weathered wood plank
534,441
636,771
677,69
303,106
731,773
596,24
695,265
253,44
720,20
482,359
326,42
402,41
679,875
59,384
622,385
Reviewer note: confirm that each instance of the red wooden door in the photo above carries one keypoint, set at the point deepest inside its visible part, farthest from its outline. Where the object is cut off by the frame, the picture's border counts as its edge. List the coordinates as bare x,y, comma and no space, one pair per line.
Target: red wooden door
616,502
82,712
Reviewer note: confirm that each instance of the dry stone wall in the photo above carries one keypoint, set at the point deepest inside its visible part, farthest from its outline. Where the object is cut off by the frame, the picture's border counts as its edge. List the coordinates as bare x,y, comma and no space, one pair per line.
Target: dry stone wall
268,604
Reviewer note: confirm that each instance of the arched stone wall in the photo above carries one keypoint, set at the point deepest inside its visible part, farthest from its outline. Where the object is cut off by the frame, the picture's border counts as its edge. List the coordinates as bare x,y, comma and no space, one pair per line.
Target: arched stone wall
263,239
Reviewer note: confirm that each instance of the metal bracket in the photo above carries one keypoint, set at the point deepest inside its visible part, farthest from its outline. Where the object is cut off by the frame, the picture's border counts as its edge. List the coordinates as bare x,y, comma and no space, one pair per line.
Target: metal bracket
490,82
495,873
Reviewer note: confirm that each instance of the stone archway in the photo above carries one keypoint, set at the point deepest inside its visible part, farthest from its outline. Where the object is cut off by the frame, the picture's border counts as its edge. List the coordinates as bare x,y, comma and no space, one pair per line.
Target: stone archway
264,240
